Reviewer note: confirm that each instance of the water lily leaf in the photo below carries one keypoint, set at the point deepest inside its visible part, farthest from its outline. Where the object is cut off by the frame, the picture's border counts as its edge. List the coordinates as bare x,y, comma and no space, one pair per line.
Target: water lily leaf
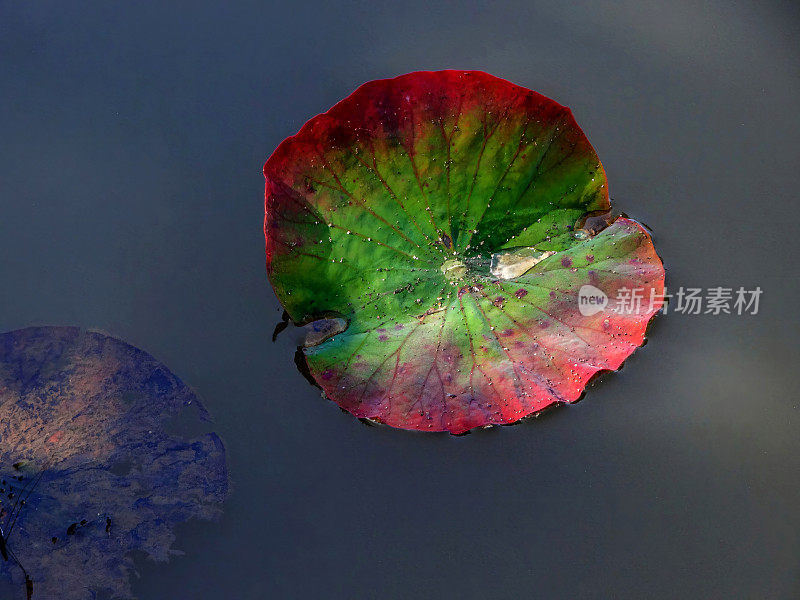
102,452
450,219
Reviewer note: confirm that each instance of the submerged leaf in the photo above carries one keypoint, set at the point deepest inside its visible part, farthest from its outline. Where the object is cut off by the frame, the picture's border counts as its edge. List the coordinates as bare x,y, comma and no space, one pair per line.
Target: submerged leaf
444,216
102,452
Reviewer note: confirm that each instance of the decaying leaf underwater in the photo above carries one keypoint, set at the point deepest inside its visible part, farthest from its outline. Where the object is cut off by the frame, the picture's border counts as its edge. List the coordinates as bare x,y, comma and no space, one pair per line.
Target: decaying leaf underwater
102,452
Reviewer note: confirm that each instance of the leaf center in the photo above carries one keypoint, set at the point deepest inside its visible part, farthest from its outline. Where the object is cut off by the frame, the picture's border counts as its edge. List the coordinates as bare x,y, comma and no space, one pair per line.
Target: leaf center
454,269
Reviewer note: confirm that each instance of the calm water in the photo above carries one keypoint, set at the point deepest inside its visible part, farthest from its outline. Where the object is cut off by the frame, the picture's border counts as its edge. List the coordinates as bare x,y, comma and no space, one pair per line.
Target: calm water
131,196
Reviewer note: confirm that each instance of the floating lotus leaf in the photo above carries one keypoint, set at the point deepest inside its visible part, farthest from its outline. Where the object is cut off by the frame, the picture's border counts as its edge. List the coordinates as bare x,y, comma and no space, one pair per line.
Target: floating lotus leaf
95,462
449,220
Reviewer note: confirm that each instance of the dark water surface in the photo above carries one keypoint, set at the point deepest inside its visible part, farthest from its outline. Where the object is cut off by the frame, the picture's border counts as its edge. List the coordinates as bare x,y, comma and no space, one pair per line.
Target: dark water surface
131,201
